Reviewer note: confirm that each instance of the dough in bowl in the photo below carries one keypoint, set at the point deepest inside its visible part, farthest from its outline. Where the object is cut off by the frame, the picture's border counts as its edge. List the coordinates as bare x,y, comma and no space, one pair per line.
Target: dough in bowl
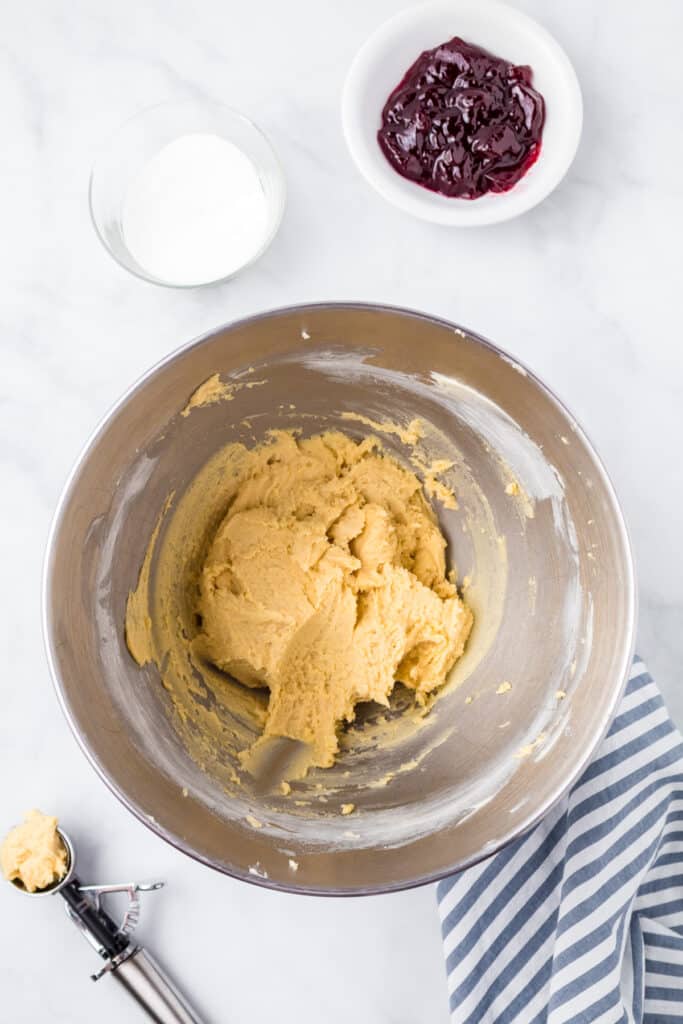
325,581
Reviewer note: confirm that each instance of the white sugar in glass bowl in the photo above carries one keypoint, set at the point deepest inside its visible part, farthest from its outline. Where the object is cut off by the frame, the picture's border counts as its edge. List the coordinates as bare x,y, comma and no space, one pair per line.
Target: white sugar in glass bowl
507,33
187,194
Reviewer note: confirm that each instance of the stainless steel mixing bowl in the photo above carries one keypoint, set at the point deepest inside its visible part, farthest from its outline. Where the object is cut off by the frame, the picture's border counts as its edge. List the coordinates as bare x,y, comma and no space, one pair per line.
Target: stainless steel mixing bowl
552,589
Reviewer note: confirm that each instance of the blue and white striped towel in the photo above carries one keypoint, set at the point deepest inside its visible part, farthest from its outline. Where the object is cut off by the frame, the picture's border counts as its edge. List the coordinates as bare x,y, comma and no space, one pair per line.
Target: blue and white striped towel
581,921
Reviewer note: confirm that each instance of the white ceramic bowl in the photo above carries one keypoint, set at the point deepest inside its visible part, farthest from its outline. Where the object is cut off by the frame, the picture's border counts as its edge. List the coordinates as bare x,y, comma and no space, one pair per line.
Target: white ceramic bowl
383,61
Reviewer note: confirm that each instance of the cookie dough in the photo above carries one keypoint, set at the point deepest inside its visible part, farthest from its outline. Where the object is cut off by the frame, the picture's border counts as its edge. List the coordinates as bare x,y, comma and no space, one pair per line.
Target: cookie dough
33,853
325,582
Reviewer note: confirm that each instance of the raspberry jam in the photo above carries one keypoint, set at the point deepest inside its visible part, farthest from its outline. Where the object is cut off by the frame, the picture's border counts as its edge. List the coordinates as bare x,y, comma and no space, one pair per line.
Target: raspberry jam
463,122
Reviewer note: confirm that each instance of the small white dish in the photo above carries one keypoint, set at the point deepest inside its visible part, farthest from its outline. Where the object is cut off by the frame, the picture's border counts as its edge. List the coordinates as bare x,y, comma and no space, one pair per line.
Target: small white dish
508,33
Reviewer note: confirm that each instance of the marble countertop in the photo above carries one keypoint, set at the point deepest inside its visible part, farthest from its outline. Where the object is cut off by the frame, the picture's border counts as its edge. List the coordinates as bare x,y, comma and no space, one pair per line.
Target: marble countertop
584,289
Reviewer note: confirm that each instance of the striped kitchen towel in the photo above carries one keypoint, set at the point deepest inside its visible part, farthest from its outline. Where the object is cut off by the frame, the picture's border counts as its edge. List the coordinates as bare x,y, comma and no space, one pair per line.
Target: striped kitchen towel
581,920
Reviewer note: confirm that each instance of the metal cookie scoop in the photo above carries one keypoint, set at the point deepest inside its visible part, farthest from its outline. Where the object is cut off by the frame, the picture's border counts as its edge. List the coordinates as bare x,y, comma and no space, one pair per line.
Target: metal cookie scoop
130,964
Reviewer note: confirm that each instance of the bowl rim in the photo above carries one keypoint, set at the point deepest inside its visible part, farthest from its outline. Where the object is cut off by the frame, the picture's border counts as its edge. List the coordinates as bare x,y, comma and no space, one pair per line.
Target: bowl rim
598,734
420,202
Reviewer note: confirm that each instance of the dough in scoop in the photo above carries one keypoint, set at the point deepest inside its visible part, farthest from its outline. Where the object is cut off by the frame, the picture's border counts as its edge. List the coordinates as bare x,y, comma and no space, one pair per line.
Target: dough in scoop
33,853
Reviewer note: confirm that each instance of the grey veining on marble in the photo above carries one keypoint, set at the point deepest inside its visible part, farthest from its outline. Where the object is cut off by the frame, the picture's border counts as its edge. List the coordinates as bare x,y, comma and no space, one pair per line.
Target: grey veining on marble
585,289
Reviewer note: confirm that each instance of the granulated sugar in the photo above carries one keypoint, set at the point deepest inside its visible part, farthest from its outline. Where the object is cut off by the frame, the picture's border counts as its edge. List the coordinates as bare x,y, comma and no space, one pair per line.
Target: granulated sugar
197,211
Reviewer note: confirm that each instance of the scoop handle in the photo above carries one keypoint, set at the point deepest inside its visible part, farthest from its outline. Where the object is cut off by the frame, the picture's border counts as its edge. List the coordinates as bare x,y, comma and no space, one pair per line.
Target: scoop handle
153,990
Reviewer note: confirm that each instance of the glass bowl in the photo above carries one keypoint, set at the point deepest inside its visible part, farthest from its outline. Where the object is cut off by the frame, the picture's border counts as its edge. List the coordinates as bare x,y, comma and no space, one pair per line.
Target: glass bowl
141,138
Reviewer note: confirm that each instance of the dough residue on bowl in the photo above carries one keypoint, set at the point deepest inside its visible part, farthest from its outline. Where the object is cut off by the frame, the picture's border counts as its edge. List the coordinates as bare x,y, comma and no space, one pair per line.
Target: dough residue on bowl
215,390
320,576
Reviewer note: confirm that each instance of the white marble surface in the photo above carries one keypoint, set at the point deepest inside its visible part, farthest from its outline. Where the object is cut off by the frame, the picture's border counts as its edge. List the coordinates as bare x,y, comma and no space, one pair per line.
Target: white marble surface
586,289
